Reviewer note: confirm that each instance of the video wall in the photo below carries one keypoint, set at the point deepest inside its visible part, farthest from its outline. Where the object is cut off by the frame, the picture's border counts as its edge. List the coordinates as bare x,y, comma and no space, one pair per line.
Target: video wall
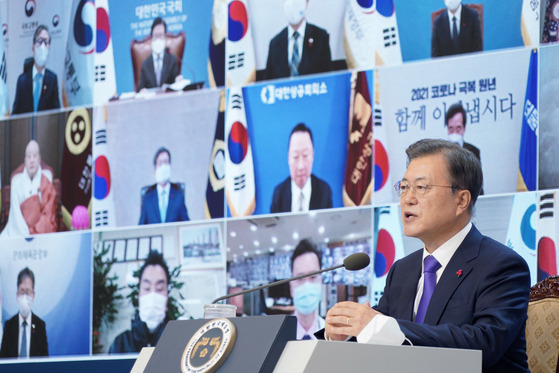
165,129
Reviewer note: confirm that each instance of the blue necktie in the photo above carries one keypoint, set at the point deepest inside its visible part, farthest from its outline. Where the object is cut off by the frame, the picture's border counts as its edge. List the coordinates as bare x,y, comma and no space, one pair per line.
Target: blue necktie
454,34
37,91
163,206
295,59
429,281
306,337
23,352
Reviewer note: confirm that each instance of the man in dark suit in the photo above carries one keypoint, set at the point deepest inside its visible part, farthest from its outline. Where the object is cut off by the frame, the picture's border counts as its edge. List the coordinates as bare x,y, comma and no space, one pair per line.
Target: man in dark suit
163,202
161,67
456,30
474,291
25,334
37,87
301,191
299,49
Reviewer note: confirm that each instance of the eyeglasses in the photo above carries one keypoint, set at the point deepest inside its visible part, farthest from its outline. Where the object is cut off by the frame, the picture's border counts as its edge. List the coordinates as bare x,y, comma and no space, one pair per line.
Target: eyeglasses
402,188
25,292
41,41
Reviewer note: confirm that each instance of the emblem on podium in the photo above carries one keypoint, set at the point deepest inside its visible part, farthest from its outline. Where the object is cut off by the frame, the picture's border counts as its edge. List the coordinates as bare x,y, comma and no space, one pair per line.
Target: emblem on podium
209,347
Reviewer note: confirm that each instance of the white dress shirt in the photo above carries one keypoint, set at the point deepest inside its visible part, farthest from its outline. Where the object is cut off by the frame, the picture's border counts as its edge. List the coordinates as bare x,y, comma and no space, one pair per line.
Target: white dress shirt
290,31
458,15
27,333
296,196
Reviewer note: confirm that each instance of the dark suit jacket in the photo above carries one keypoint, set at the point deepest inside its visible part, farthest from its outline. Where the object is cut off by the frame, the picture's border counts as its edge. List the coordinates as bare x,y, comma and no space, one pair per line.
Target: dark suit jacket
469,37
169,71
23,102
316,57
321,196
38,345
176,209
485,308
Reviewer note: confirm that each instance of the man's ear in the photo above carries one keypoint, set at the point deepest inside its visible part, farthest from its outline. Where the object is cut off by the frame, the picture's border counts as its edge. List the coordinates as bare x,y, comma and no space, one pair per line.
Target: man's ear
464,199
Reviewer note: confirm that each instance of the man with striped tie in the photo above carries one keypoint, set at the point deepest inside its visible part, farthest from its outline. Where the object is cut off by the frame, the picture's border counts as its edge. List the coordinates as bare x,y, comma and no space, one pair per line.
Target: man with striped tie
300,48
25,334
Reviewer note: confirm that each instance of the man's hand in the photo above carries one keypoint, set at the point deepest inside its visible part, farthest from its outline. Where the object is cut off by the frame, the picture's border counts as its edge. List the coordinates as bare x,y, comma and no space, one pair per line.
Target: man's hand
347,319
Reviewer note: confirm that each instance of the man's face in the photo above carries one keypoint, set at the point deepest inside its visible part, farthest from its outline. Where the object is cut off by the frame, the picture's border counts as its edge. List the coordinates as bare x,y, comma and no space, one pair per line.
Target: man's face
42,39
32,158
305,263
300,157
433,217
456,124
162,158
26,288
158,32
153,279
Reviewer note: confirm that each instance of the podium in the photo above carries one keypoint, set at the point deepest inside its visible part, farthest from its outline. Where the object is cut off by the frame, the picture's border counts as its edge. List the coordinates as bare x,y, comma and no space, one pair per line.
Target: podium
329,356
260,340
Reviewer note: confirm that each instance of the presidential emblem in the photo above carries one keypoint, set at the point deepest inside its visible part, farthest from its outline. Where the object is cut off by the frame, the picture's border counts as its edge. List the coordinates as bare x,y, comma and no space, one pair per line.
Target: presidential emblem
209,347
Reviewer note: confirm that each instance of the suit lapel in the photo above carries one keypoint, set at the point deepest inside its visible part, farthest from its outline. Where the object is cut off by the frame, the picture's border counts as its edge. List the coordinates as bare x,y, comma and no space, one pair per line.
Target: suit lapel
463,259
284,56
409,285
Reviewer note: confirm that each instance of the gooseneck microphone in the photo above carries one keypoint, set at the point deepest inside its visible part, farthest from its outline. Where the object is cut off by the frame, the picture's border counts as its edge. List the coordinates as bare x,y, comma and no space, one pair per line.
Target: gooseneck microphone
353,262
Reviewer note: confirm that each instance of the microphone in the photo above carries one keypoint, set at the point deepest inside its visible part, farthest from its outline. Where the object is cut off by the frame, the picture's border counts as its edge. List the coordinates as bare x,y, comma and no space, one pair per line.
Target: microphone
353,262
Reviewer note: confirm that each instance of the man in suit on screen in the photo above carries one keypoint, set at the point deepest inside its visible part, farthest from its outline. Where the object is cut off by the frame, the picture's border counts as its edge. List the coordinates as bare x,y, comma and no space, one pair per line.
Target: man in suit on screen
25,334
161,67
456,30
300,48
463,289
302,190
163,202
37,87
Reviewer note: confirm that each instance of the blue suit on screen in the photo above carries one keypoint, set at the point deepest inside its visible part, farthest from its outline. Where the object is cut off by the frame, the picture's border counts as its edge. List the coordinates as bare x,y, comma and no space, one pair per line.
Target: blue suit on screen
23,102
176,208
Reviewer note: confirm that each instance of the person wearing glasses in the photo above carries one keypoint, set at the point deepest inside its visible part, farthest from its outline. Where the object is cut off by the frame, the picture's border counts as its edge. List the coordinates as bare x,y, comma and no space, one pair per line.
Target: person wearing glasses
306,292
25,334
462,289
37,87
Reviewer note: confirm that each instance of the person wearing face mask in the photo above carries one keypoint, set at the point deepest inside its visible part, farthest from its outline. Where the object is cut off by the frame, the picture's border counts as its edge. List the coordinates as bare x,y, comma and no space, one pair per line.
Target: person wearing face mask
456,30
300,48
37,87
161,67
302,190
163,202
25,334
150,320
455,122
306,292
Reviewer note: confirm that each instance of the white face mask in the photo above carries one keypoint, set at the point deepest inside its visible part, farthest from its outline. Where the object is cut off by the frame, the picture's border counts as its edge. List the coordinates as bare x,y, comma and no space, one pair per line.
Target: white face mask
452,5
163,174
24,303
41,55
295,10
457,138
153,308
158,46
387,332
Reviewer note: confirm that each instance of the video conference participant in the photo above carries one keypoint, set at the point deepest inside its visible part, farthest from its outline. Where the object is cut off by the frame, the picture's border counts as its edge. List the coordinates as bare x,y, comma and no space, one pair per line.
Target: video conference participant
306,292
463,289
455,121
37,87
302,190
25,334
161,67
153,300
164,201
456,31
300,48
32,198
